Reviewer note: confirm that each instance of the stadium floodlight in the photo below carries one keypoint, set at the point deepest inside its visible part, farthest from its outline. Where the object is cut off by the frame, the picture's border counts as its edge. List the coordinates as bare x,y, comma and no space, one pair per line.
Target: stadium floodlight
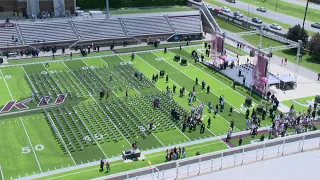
305,15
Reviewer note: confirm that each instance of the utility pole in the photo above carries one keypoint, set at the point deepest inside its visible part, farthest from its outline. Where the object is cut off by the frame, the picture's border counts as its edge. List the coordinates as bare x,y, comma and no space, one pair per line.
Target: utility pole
305,15
107,8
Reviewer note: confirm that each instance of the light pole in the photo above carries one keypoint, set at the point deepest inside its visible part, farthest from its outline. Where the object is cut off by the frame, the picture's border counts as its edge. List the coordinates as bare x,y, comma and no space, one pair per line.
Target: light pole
305,15
248,18
107,8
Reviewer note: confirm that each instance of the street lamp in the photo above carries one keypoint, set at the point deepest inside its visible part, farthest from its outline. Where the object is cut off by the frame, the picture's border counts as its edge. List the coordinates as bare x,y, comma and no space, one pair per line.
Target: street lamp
107,8
305,15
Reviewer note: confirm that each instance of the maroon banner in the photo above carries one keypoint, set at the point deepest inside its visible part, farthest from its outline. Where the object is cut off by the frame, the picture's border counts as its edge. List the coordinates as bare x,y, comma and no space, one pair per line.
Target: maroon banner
6,25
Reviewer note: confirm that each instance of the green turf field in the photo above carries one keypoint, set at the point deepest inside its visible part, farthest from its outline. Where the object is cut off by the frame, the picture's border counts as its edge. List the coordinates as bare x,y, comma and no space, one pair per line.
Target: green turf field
76,127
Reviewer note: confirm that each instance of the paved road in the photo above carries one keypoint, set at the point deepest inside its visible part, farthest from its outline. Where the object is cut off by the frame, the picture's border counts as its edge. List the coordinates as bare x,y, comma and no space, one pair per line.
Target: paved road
270,14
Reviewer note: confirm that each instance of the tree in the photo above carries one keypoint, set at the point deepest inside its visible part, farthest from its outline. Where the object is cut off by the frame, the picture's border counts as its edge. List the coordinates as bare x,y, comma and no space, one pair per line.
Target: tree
295,33
314,46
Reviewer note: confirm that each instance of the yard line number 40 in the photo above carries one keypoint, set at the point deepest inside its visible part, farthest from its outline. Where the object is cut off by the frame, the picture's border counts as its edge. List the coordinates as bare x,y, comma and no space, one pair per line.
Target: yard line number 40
38,147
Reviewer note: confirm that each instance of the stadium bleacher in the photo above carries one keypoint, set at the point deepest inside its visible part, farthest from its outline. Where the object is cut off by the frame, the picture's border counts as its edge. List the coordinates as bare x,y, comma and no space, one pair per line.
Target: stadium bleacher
186,24
99,28
47,31
6,36
147,25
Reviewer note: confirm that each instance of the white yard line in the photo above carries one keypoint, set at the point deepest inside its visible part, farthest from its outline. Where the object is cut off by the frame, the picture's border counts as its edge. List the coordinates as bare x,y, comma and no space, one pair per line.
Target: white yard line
6,85
158,89
197,99
2,176
26,74
98,105
31,146
214,78
62,140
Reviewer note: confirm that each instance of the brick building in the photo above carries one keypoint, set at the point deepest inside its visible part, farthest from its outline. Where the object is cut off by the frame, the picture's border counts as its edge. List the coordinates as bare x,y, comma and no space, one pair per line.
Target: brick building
29,7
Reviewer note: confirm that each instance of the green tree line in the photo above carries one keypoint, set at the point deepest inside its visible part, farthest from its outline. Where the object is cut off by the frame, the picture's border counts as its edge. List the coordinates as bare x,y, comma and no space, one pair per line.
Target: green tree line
101,4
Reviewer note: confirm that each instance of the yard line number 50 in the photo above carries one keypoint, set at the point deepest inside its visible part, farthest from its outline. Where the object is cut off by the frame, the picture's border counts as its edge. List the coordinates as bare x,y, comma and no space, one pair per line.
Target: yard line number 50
38,147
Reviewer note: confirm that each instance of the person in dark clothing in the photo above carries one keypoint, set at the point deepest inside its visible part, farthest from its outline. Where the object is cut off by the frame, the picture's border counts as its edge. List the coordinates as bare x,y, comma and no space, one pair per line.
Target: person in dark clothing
205,45
318,76
174,88
197,81
209,122
167,78
208,89
165,50
207,52
240,141
132,56
127,94
202,57
194,89
202,128
230,111
209,46
101,164
232,124
247,113
101,95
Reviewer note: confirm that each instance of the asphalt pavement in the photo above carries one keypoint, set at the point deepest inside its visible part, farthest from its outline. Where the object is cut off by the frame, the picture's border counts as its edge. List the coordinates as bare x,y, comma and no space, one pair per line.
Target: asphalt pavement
269,14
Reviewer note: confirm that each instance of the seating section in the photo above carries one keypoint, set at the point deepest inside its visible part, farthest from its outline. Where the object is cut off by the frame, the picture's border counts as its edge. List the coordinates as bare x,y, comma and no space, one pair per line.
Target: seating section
99,28
147,25
6,36
186,24
47,31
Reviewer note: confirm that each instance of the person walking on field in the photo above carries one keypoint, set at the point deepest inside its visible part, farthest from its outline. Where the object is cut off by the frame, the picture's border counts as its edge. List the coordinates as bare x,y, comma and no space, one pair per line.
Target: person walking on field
101,164
108,166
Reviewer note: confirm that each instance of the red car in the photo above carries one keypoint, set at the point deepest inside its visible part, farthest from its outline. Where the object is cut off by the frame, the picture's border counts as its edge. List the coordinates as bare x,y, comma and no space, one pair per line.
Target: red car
217,10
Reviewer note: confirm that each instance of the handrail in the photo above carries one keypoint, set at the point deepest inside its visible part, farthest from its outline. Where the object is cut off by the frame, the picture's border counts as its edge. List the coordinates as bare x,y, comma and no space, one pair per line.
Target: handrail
232,151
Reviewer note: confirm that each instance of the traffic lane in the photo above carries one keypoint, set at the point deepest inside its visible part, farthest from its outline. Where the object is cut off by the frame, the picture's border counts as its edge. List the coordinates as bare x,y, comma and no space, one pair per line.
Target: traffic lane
245,18
269,14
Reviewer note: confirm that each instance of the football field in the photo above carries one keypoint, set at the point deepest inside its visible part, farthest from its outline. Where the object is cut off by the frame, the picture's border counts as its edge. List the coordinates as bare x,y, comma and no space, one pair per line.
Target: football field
67,123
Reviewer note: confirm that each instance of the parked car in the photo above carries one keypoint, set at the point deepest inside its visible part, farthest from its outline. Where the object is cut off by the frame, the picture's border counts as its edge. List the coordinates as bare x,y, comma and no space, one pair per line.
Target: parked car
261,9
257,20
217,10
232,1
238,14
209,6
275,26
225,9
315,25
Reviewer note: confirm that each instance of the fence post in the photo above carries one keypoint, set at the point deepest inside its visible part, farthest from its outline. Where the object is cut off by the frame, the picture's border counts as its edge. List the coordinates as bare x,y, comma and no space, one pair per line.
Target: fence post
284,141
212,164
221,161
188,170
299,146
163,174
199,167
152,173
177,170
278,150
257,154
264,146
242,156
303,143
234,159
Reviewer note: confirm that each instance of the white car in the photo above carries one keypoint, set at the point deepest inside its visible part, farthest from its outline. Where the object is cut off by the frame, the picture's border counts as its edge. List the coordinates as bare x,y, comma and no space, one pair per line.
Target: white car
225,9
275,26
209,6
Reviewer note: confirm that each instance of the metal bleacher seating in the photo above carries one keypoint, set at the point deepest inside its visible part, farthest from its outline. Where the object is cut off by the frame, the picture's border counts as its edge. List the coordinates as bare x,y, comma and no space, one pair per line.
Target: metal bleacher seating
186,24
47,32
99,28
6,36
147,25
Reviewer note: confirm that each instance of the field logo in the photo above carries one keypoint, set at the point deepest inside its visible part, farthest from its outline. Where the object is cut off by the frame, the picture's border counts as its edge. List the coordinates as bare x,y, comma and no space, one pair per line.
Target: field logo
45,101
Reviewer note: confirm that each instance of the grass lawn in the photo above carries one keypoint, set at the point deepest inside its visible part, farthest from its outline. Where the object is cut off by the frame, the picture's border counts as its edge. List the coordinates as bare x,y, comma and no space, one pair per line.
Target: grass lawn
287,8
150,10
